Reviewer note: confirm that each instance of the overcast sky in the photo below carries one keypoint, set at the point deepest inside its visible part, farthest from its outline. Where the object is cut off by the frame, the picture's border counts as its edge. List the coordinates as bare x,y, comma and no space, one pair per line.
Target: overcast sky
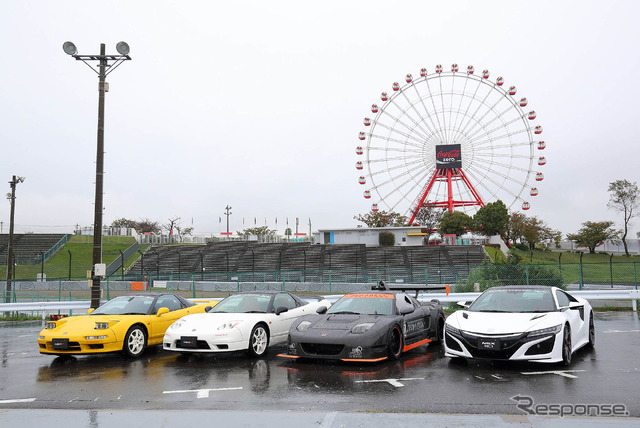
258,104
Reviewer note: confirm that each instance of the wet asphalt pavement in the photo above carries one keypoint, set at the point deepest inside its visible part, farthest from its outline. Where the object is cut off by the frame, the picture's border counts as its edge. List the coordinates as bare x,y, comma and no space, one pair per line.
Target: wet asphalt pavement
422,381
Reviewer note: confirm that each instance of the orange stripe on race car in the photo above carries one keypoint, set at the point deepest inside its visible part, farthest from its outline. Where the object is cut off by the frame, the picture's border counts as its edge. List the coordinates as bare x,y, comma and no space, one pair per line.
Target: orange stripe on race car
361,360
369,296
415,345
287,356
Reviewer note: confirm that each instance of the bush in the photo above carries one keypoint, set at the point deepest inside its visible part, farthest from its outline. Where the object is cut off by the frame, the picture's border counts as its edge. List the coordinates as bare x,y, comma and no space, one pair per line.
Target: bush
513,274
387,238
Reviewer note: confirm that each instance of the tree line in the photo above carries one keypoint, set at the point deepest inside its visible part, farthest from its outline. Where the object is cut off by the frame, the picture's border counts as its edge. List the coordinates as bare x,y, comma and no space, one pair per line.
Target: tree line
517,228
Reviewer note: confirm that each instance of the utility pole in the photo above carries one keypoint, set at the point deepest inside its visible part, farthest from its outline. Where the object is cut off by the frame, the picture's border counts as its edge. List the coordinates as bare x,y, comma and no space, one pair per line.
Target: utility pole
227,213
12,196
104,68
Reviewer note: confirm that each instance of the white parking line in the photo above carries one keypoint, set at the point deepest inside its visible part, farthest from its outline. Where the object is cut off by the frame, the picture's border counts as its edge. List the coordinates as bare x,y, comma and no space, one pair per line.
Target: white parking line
565,373
19,400
201,393
394,382
621,331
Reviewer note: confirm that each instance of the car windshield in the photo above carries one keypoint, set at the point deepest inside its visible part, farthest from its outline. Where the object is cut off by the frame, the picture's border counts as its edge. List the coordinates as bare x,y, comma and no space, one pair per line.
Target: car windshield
514,300
364,304
243,303
126,305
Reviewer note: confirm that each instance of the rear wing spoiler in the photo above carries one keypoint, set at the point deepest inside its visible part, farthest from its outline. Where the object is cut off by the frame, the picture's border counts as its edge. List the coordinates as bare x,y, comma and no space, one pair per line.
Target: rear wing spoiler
409,287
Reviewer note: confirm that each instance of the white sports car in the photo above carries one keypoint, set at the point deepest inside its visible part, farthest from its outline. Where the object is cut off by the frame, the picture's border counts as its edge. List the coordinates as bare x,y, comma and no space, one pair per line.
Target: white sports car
249,321
530,323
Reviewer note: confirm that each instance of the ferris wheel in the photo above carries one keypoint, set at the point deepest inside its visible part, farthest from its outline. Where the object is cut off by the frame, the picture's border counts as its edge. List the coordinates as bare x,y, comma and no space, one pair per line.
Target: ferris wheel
449,139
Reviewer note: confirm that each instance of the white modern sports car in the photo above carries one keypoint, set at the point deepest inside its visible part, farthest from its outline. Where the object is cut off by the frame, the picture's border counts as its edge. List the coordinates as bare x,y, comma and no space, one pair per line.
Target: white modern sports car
249,321
530,323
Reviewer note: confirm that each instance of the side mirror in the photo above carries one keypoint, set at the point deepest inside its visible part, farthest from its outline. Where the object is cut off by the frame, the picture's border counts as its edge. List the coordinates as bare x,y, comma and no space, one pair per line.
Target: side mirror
406,311
90,310
207,308
575,306
321,310
281,309
463,304
162,311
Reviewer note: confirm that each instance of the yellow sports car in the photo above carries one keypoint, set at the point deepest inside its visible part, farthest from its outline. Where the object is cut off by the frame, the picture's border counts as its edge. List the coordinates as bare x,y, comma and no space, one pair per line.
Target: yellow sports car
126,323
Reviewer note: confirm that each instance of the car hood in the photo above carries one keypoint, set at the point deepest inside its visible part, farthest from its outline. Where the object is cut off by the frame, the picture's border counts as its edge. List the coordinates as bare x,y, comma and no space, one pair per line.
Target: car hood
209,321
342,321
502,323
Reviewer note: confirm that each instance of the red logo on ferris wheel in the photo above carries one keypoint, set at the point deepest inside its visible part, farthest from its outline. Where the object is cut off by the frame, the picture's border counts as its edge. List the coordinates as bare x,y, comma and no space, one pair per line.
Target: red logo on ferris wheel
450,154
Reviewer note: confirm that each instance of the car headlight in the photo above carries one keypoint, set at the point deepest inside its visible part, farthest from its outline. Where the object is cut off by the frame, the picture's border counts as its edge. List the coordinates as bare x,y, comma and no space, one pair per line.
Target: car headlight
101,326
41,337
362,328
544,331
303,326
95,337
450,329
178,324
50,325
228,325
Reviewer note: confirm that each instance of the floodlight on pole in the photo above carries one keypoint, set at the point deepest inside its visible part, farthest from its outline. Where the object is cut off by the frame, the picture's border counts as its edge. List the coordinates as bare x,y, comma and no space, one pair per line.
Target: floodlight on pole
122,48
69,48
107,63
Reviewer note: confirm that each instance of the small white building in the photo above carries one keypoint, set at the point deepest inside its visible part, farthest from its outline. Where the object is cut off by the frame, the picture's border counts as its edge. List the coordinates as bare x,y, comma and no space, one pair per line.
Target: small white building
409,235
404,235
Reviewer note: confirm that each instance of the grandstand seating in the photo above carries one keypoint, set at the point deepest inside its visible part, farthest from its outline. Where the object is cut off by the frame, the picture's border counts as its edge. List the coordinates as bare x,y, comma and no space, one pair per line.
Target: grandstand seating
28,247
251,256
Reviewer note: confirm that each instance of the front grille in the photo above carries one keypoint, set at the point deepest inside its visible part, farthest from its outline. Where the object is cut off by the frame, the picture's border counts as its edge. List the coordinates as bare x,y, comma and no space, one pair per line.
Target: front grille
74,346
508,346
200,344
321,349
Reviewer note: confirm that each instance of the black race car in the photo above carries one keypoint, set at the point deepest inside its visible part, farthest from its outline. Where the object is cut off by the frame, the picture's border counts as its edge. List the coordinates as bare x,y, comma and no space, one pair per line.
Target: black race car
368,326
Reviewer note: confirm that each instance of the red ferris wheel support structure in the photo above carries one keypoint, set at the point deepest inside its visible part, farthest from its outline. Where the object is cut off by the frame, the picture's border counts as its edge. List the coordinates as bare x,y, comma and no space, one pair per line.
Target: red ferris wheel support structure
449,176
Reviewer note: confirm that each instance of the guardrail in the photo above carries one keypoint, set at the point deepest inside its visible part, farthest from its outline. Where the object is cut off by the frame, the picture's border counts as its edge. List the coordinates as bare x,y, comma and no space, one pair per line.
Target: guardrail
632,295
47,307
63,306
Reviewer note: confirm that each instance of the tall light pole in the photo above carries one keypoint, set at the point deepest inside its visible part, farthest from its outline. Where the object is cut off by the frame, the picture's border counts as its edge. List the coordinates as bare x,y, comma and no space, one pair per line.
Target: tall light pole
12,196
107,63
227,213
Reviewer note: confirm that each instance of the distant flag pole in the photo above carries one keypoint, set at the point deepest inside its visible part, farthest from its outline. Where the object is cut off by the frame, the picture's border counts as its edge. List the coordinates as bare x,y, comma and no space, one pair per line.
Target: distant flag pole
254,220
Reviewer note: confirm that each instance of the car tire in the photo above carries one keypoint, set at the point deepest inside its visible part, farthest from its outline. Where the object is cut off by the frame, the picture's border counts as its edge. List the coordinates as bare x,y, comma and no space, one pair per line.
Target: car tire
394,344
439,331
135,342
258,341
566,346
592,332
